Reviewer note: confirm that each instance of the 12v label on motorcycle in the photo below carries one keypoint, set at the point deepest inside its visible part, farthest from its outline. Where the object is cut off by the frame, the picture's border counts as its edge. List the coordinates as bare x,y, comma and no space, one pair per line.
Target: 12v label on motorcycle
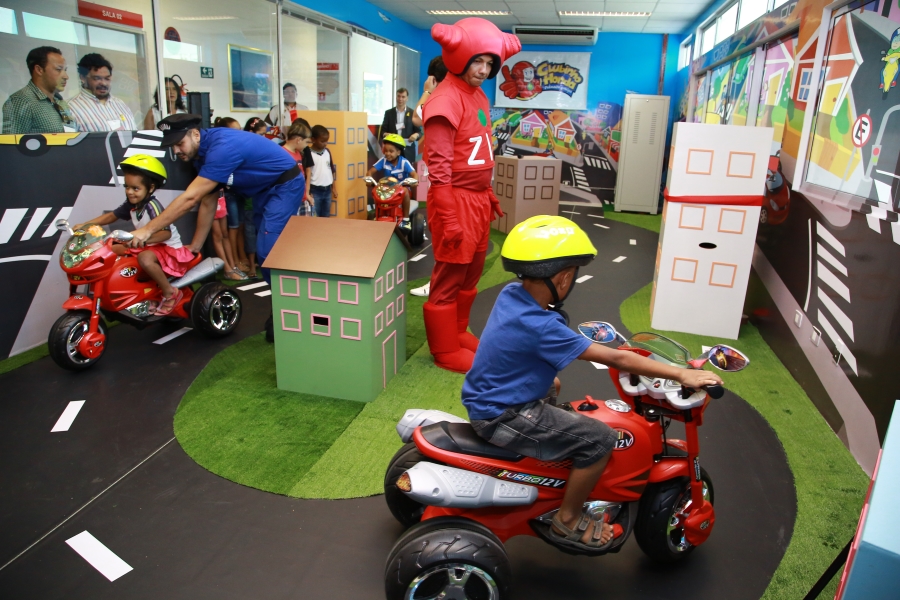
625,441
533,479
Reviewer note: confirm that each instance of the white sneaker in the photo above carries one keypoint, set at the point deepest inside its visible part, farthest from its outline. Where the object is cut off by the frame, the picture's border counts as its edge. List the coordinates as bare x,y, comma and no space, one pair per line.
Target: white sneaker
421,291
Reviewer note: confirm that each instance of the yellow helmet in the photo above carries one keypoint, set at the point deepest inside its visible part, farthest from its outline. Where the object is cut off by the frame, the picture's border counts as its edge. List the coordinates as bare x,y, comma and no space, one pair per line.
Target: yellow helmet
542,246
147,165
395,139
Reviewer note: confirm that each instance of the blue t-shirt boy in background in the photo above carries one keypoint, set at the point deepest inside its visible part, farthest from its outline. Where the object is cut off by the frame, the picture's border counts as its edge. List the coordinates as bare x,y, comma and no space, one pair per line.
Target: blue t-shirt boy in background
510,389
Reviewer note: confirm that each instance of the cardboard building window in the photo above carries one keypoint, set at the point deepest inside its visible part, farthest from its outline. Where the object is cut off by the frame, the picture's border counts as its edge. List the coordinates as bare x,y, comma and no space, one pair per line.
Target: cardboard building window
351,206
379,289
389,281
401,304
332,135
288,318
401,272
293,285
389,314
360,135
548,172
722,274
530,172
351,329
348,292
351,137
379,323
320,324
684,269
360,204
317,289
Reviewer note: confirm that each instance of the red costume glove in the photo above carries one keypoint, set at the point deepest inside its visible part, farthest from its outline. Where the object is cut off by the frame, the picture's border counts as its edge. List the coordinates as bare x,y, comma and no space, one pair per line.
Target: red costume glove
441,198
495,204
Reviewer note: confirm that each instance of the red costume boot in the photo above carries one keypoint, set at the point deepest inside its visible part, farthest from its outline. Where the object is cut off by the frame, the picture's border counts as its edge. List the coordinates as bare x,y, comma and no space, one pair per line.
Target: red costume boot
464,301
443,340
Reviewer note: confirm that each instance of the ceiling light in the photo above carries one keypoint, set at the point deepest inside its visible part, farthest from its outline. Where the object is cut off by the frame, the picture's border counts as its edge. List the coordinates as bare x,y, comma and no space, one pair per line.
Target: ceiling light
210,18
470,13
584,13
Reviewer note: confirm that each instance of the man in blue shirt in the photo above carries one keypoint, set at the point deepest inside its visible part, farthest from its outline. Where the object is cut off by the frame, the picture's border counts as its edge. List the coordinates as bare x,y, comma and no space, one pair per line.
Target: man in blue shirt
510,391
250,164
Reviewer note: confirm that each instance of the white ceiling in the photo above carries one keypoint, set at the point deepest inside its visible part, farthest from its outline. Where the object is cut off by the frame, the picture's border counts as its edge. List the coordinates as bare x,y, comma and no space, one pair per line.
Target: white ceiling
668,16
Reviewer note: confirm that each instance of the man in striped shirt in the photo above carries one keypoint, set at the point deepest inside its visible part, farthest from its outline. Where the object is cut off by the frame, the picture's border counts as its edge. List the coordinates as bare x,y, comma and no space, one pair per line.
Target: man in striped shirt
95,108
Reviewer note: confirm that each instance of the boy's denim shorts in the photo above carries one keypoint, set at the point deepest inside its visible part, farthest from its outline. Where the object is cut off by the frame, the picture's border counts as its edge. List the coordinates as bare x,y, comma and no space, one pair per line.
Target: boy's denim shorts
546,432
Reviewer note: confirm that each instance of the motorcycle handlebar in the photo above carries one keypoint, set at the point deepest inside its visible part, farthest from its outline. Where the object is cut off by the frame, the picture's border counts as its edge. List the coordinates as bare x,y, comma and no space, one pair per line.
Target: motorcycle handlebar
715,391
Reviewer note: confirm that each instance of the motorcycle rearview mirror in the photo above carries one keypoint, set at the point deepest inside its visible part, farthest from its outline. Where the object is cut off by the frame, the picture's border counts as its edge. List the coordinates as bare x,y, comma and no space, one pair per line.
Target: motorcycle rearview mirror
599,331
722,357
63,225
370,180
121,236
410,182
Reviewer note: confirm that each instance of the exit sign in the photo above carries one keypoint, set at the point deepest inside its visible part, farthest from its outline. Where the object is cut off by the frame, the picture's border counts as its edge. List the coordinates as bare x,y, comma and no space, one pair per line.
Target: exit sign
206,72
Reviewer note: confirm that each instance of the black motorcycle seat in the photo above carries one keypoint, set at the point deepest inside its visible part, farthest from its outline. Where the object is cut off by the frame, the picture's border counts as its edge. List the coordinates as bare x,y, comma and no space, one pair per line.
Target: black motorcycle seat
462,439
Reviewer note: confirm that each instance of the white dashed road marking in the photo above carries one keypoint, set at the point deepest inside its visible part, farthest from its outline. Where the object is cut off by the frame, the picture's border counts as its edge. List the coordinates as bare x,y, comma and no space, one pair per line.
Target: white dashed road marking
596,216
67,416
253,286
584,278
417,257
620,259
264,293
99,556
599,225
172,336
632,242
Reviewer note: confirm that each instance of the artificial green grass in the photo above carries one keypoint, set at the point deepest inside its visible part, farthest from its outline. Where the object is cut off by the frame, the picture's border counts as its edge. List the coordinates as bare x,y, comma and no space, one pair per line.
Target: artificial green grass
235,422
651,222
29,356
830,485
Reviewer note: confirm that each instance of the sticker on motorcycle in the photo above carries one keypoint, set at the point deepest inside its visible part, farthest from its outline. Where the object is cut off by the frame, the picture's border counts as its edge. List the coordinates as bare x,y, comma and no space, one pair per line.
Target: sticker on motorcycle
128,272
625,441
532,479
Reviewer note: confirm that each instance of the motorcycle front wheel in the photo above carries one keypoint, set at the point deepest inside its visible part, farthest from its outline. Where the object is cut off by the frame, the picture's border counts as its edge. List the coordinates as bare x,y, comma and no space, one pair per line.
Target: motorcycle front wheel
659,529
65,334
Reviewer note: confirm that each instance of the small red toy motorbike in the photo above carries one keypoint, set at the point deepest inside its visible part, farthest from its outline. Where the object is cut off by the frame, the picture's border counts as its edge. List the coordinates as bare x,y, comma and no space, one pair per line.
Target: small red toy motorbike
101,283
462,497
388,198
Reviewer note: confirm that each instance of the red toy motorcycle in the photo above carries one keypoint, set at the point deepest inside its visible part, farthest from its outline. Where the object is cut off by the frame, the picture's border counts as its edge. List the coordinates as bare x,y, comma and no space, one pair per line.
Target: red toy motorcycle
101,283
462,497
388,198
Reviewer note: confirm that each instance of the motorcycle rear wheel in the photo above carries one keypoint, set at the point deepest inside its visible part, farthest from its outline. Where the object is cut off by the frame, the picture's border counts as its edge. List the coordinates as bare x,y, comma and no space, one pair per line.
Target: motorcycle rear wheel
215,309
417,228
657,530
405,509
448,557
65,334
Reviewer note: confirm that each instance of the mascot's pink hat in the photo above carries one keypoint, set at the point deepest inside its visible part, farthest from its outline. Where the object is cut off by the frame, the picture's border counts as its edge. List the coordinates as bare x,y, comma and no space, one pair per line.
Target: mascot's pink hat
469,38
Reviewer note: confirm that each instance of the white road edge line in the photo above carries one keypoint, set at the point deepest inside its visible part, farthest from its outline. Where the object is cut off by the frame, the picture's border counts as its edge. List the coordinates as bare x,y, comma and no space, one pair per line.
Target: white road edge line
417,258
620,259
598,365
99,556
85,505
596,216
584,278
264,294
252,286
172,336
632,242
68,416
599,225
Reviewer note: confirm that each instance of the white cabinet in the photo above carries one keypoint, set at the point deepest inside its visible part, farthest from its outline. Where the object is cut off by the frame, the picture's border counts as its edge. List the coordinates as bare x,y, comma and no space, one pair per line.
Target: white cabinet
641,150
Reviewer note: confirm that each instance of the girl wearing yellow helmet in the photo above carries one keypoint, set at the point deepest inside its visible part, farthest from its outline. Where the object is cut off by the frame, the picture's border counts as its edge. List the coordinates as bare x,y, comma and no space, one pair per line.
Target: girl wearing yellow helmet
164,255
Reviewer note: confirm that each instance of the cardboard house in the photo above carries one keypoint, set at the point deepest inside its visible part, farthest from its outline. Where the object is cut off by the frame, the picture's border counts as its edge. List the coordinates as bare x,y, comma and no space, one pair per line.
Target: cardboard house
525,187
716,186
348,144
338,300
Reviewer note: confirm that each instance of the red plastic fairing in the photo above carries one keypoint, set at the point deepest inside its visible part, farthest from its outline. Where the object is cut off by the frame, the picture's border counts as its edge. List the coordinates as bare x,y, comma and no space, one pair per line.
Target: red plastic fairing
78,302
669,468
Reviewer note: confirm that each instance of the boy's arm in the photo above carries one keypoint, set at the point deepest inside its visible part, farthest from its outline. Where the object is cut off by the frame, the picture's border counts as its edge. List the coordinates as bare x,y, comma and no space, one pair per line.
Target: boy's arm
632,362
306,173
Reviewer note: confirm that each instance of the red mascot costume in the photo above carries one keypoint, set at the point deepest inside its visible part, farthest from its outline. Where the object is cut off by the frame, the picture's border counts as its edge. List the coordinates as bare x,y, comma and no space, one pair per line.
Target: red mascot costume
461,203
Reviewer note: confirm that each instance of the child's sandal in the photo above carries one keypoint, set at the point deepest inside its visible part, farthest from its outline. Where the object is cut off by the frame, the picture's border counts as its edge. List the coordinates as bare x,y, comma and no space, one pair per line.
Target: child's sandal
168,304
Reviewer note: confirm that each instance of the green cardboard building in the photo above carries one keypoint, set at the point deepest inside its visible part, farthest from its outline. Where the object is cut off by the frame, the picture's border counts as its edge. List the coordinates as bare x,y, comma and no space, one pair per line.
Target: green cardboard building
339,306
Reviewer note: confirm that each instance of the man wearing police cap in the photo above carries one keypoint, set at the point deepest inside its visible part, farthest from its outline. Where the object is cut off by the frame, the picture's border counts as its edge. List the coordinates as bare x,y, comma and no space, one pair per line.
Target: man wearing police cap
250,164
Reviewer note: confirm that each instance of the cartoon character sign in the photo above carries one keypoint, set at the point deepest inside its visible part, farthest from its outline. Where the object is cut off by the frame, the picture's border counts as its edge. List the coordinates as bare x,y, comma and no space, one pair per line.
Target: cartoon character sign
521,82
891,56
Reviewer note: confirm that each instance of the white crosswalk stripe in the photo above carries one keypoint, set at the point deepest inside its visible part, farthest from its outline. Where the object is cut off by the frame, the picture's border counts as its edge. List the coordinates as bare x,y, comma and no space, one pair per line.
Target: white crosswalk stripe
827,247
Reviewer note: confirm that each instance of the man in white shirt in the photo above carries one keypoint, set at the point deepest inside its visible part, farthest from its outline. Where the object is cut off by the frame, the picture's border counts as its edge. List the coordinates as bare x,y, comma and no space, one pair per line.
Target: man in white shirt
282,116
95,108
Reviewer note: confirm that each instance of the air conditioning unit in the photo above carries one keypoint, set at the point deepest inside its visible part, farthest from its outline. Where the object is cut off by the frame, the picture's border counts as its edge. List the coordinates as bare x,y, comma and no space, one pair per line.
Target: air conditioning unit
559,35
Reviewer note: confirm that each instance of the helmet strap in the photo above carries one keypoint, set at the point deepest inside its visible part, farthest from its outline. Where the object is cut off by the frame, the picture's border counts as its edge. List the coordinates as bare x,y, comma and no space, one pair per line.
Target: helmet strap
557,301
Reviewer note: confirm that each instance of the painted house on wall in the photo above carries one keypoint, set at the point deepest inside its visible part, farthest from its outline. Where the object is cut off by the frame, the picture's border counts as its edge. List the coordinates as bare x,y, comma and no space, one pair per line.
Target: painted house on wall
841,64
532,125
338,301
563,130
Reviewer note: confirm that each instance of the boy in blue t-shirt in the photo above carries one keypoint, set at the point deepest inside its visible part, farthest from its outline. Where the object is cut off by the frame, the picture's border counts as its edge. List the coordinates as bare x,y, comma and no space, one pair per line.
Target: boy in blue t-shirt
393,164
510,391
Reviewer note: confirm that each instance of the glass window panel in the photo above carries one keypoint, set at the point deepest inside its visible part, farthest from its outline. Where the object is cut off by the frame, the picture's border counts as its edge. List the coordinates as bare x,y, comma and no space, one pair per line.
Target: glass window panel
779,3
8,21
112,39
775,92
55,30
181,51
332,69
717,101
726,23
709,39
299,59
739,91
408,74
750,10
372,77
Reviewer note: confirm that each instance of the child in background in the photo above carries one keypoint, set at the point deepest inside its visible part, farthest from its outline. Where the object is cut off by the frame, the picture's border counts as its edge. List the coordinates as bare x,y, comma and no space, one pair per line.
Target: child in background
250,237
392,164
227,221
164,256
255,125
320,172
297,138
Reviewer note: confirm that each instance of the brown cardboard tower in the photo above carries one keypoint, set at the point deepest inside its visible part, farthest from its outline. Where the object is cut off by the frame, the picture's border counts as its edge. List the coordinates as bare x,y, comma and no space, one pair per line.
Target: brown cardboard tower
525,187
